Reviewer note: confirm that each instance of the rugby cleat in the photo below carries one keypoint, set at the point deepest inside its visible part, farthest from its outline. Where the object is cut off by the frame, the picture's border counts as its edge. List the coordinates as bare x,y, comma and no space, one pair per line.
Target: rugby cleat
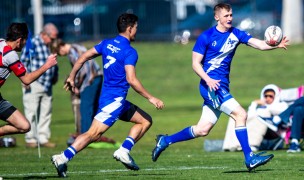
161,145
125,158
60,165
258,160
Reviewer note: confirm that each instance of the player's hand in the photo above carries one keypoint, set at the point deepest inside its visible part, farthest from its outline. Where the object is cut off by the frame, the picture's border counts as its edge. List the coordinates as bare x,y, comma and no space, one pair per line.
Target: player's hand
284,43
69,85
157,103
213,84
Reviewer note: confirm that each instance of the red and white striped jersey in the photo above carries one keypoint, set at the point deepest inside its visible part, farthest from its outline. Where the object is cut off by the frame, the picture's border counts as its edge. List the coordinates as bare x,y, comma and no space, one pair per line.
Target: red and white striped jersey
9,61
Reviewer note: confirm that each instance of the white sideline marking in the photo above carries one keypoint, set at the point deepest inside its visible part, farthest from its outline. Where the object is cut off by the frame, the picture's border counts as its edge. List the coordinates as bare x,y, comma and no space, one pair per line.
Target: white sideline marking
116,170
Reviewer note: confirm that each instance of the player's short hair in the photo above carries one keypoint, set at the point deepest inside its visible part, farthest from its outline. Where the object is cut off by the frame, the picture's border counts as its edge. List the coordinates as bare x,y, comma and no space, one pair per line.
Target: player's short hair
16,31
125,20
221,6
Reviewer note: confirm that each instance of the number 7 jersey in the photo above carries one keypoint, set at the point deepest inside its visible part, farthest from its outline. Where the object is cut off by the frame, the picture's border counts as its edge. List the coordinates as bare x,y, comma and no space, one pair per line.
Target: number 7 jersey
116,53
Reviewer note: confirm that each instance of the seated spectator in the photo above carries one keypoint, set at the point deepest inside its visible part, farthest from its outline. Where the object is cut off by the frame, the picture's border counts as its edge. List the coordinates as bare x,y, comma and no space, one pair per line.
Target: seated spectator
294,117
266,107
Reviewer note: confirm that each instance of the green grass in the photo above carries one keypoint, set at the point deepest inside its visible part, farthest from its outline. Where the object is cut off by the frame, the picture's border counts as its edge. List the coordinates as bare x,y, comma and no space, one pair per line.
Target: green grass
165,70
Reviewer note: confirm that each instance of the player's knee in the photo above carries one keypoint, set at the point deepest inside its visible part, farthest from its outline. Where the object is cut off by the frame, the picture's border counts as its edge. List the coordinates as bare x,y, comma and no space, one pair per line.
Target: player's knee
241,115
148,121
25,128
244,115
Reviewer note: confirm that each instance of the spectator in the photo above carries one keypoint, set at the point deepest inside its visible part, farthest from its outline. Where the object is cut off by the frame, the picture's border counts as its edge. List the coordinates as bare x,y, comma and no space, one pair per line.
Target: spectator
266,107
16,122
293,115
88,82
37,97
88,88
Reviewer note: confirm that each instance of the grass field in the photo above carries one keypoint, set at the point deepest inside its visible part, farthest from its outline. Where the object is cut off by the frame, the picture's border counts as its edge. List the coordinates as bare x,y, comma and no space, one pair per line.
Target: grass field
165,70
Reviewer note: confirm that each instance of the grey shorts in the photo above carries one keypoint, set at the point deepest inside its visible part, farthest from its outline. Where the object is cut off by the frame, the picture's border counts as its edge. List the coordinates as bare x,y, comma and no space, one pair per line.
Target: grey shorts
6,109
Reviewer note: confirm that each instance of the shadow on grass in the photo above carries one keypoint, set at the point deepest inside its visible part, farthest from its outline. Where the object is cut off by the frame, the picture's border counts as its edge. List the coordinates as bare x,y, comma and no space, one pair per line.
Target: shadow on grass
246,171
137,175
30,177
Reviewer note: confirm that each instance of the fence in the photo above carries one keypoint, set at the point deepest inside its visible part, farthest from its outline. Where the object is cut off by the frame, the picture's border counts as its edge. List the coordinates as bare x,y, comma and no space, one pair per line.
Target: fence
158,19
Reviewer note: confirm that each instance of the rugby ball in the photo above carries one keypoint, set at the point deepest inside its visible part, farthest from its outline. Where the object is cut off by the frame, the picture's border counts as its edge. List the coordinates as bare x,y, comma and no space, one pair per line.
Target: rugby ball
273,35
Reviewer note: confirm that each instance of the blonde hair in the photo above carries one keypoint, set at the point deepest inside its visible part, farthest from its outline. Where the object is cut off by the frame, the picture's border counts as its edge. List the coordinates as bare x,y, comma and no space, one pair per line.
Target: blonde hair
220,6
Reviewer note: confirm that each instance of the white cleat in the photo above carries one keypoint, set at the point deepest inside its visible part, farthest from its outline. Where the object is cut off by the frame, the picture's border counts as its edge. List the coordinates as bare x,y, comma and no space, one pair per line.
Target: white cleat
60,165
125,159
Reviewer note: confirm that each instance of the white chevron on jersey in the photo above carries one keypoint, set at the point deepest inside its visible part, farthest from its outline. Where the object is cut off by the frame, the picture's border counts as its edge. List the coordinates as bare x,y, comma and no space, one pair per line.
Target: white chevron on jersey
227,48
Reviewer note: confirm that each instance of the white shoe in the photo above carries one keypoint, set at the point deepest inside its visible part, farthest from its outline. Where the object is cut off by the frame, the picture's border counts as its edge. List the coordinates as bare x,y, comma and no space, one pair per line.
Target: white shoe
60,164
125,159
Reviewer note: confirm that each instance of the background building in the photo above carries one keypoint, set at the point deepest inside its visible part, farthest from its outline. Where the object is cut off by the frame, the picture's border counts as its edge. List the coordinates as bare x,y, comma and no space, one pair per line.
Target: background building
80,20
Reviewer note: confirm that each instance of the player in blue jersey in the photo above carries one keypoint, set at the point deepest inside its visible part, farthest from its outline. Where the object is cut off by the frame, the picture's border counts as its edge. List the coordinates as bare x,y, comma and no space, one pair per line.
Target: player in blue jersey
119,60
211,59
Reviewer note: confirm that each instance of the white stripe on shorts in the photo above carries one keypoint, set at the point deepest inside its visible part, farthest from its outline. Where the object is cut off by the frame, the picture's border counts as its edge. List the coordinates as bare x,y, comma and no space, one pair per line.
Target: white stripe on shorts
107,110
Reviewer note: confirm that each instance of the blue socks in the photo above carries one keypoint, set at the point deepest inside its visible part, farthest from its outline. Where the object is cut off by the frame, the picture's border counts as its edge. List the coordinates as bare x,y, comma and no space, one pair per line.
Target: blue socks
70,152
183,135
242,135
128,143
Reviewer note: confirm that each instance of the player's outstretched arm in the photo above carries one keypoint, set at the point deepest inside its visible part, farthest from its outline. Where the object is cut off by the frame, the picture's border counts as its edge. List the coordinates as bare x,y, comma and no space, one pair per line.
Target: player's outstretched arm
28,78
89,54
261,44
139,88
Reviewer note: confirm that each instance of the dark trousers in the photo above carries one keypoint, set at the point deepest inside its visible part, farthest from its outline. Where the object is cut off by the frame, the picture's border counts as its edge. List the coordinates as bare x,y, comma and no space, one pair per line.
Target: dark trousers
296,110
89,103
297,122
285,115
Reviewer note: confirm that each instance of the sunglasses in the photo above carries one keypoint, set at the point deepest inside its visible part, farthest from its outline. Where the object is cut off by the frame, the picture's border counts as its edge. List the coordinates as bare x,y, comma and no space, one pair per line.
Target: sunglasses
52,39
266,96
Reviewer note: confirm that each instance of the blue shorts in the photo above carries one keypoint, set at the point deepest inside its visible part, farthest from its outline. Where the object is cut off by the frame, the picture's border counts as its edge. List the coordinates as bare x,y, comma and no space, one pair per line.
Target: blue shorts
215,98
113,107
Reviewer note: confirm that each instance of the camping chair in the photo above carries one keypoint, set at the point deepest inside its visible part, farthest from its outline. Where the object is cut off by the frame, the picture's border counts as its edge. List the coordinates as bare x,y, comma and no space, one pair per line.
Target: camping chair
289,96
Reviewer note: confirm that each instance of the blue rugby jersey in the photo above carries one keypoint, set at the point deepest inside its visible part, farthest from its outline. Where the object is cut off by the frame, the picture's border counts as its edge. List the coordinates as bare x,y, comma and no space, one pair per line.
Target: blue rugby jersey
218,50
116,53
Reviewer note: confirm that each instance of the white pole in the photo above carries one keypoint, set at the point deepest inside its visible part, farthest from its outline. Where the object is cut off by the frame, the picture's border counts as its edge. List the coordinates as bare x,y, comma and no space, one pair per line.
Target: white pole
292,22
37,134
38,17
38,23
